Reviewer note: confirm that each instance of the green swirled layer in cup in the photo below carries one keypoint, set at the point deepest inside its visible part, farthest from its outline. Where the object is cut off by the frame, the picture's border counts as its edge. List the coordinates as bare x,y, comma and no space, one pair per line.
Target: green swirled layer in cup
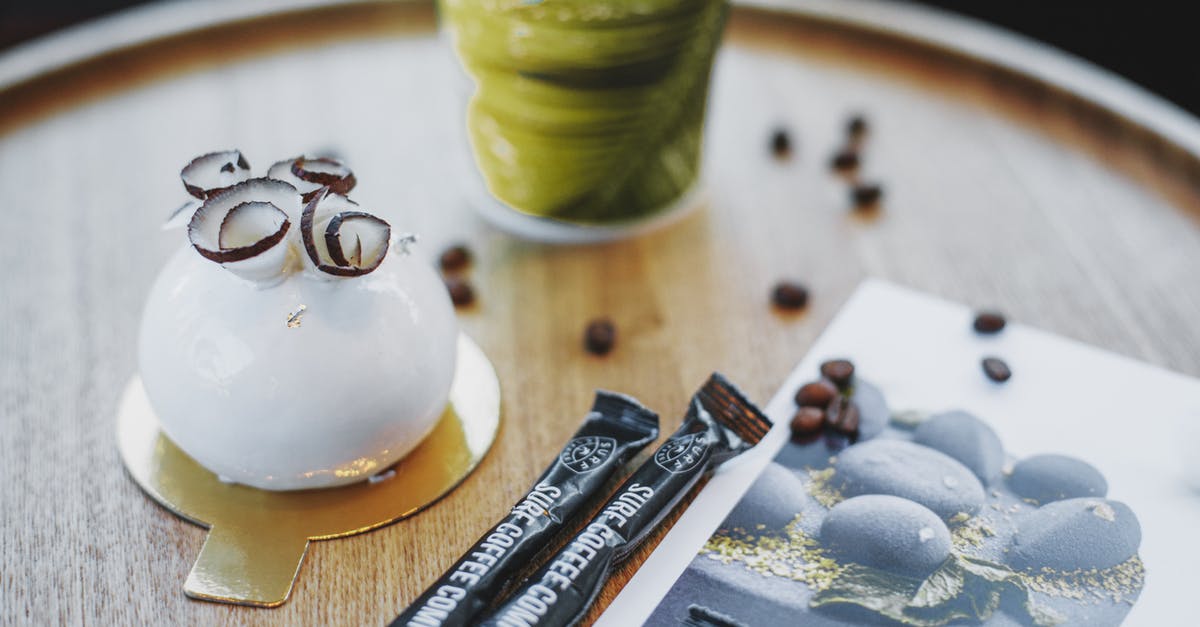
585,111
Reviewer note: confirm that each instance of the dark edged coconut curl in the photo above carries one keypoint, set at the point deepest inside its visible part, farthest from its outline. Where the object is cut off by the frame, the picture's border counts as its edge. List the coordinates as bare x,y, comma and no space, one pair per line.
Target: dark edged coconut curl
371,239
320,251
306,174
241,226
316,248
238,227
282,171
214,172
325,171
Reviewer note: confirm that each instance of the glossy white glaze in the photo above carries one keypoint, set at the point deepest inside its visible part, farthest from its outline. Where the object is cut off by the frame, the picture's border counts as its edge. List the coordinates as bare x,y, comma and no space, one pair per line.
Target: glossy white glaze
347,391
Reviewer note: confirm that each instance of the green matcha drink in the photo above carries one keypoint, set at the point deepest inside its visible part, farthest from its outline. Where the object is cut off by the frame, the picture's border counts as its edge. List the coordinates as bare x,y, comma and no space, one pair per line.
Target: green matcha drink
588,112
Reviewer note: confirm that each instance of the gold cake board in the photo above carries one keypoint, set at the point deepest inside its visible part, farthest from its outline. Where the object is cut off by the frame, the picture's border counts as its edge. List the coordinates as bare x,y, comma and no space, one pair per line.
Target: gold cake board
257,539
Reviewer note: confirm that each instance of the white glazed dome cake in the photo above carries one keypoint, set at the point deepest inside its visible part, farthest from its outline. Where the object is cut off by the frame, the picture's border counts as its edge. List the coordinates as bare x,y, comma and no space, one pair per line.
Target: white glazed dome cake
292,345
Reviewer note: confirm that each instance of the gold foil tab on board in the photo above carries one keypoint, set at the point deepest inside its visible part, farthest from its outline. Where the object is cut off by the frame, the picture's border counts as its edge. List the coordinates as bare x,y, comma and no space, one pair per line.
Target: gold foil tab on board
257,539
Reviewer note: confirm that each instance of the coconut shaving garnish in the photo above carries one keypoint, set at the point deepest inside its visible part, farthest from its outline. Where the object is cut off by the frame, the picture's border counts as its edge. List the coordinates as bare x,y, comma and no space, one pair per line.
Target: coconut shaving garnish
310,175
245,223
344,229
324,171
244,229
358,225
213,172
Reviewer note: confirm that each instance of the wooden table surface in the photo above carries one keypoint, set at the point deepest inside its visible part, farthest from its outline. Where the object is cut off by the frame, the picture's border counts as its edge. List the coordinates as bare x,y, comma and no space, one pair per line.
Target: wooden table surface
1000,191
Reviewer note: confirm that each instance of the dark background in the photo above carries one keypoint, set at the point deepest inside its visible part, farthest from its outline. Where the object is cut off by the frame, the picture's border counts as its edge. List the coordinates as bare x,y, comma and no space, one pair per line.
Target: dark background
1151,43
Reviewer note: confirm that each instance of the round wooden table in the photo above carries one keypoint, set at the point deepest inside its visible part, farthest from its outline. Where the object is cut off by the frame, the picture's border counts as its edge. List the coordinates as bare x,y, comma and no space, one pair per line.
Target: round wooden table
1014,178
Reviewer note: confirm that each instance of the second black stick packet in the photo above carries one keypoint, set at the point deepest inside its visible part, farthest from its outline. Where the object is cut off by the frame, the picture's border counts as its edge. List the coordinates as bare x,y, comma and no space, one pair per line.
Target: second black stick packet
720,424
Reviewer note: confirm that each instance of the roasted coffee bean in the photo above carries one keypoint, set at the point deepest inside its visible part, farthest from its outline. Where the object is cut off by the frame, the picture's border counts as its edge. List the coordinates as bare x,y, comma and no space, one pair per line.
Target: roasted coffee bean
789,295
996,369
866,195
461,292
600,336
988,322
843,415
781,143
838,371
856,127
844,160
455,258
816,394
808,420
